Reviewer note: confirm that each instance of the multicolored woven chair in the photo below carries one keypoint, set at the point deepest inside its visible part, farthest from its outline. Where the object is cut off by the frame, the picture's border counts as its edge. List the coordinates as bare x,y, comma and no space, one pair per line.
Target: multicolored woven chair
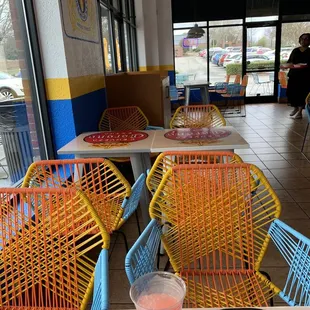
295,248
166,160
109,192
217,232
141,258
197,116
124,118
47,238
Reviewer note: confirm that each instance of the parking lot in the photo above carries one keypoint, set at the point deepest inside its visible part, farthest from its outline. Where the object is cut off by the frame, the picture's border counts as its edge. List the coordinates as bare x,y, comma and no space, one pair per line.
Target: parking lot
196,68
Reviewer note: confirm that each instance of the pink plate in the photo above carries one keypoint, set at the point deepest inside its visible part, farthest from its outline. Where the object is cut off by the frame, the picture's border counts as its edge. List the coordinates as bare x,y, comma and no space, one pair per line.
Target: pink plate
197,134
116,136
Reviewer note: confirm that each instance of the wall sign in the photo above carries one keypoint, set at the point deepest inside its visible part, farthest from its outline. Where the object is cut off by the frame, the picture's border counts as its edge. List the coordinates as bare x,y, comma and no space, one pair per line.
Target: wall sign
190,42
80,19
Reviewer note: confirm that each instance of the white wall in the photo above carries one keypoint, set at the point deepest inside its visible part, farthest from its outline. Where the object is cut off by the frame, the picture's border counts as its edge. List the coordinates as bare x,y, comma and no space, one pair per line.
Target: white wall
154,33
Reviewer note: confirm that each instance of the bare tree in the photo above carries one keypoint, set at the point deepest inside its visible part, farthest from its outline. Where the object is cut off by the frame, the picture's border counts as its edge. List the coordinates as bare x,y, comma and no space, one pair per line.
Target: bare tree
6,29
292,31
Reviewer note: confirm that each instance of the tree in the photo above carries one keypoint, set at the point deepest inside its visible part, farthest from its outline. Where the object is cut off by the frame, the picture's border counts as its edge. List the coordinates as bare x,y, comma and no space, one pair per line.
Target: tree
263,41
292,31
6,29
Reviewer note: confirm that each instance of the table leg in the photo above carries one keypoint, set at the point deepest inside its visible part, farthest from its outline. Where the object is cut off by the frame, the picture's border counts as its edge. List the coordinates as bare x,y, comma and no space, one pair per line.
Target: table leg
204,92
78,169
187,95
140,163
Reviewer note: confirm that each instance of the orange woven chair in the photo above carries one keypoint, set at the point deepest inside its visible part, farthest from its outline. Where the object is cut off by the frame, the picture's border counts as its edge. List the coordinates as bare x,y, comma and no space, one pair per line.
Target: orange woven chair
109,192
197,116
46,237
217,232
123,118
283,79
167,160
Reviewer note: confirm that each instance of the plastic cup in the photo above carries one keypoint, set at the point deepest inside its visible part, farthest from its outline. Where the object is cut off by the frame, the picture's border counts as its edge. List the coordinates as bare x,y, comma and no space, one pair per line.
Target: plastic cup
158,291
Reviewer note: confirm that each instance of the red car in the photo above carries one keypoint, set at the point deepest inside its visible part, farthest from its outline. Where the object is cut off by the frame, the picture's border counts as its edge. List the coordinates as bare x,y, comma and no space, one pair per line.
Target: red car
221,61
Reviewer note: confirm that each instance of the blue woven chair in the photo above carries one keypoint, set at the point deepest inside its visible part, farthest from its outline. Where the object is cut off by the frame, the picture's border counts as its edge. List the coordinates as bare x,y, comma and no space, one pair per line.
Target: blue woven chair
295,248
307,108
141,259
101,283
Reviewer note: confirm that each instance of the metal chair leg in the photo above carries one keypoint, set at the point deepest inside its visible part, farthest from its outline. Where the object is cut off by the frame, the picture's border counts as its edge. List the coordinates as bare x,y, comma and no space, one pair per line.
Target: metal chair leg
125,239
305,137
138,223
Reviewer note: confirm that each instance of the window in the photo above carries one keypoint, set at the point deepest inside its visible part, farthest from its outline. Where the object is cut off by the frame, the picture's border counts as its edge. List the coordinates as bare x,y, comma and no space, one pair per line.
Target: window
119,36
22,132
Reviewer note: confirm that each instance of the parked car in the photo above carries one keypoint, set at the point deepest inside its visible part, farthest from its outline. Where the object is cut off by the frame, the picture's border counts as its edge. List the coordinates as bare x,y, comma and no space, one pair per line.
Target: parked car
285,55
216,58
251,58
11,87
203,53
213,51
230,58
233,49
263,50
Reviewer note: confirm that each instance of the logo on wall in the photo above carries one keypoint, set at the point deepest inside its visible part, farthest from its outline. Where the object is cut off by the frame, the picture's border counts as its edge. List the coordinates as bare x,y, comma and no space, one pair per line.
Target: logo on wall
80,19
190,42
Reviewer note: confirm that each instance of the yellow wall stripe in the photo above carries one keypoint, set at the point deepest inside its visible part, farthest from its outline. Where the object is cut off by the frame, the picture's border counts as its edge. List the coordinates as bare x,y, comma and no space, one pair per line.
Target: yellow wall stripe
69,88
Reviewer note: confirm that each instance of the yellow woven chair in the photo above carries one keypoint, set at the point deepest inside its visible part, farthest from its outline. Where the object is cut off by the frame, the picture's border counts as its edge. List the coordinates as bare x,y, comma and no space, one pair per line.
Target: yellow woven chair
109,192
217,232
197,116
46,236
170,159
123,118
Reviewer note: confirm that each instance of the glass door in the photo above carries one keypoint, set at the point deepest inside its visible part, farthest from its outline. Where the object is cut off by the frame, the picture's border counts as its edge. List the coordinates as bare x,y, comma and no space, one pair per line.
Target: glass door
259,62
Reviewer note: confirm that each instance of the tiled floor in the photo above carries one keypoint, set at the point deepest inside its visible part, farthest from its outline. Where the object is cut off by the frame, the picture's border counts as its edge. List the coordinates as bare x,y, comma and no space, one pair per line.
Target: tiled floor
275,141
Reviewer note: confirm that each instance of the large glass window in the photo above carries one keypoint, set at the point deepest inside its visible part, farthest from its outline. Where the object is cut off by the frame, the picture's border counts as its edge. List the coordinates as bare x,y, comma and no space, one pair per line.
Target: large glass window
119,36
22,133
190,57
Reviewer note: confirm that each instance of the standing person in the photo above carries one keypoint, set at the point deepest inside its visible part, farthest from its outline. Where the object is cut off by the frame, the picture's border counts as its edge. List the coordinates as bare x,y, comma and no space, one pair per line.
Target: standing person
298,85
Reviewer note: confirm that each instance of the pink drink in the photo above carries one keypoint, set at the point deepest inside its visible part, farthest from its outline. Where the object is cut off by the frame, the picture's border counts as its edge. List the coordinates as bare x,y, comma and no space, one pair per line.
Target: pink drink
158,291
158,302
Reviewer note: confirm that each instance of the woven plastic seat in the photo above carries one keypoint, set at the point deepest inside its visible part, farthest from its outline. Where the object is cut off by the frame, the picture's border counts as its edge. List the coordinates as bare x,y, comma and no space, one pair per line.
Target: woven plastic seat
295,248
216,232
46,239
167,160
109,192
197,116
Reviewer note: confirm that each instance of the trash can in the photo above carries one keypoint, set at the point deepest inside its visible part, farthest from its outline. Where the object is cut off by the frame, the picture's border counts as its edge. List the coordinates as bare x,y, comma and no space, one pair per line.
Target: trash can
15,136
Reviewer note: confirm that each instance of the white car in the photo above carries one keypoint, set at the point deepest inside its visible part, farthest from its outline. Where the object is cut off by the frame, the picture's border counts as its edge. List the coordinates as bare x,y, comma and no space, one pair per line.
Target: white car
230,59
251,59
11,87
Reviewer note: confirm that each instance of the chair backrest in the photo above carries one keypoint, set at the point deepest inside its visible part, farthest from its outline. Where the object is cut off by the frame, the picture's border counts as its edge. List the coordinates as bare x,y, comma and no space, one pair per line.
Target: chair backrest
123,118
141,258
98,178
167,160
45,248
245,80
282,79
295,248
237,79
227,78
214,219
197,116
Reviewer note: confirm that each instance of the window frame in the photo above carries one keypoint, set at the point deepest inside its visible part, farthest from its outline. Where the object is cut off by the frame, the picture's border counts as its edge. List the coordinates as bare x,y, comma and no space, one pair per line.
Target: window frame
124,16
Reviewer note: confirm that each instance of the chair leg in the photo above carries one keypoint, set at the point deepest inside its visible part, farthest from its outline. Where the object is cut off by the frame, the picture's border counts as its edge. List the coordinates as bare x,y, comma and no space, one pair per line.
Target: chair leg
167,265
269,278
138,223
125,239
305,137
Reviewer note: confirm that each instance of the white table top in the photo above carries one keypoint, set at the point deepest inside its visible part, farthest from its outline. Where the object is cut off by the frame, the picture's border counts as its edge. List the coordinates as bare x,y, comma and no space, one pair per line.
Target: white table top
205,139
219,138
78,146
